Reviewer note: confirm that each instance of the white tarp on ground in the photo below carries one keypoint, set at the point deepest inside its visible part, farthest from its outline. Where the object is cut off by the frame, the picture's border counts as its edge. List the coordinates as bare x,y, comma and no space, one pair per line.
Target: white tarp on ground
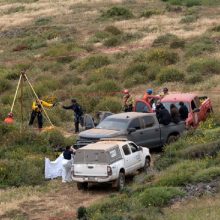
53,169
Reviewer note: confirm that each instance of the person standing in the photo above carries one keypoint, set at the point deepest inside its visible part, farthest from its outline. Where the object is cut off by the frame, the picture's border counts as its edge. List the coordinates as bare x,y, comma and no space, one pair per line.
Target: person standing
128,101
148,96
174,113
37,112
78,113
164,92
163,115
67,164
183,111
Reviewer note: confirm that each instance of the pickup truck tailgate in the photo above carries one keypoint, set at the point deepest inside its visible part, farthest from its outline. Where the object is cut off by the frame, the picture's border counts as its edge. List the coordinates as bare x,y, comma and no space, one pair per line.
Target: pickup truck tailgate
90,170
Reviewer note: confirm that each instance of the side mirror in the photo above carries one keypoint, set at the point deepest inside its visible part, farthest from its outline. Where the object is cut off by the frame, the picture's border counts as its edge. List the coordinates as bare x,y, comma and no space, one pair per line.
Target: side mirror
130,130
196,110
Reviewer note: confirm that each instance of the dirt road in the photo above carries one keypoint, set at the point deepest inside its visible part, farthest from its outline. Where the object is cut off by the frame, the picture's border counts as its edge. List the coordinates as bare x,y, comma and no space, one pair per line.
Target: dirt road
58,204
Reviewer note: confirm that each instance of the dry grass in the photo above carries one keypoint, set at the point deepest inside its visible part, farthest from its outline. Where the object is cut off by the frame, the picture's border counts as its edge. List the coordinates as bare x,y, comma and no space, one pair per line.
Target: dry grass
46,201
197,209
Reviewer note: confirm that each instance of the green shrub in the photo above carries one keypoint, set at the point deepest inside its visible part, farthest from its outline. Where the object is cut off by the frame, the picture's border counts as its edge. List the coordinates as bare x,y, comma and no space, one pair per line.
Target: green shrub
70,78
6,128
82,213
111,104
112,41
164,39
206,175
136,68
181,173
43,21
4,85
191,3
118,13
170,74
99,36
113,30
199,47
188,3
93,62
193,78
149,12
15,9
177,43
166,161
22,1
172,8
60,50
169,39
130,36
94,77
200,151
102,74
135,80
21,172
159,196
205,66
189,19
12,75
110,205
110,73
106,86
32,43
55,138
163,56
216,28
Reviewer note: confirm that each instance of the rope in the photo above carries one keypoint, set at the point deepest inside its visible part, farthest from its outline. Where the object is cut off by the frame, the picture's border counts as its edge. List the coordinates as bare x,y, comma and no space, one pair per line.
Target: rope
16,92
38,98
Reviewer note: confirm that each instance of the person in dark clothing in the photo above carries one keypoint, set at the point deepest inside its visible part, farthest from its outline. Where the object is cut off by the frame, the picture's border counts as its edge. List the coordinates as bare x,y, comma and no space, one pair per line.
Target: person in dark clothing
67,154
163,115
183,111
78,114
174,113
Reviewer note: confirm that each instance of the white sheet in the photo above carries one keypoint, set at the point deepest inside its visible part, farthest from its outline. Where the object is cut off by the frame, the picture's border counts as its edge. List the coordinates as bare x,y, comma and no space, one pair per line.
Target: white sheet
53,169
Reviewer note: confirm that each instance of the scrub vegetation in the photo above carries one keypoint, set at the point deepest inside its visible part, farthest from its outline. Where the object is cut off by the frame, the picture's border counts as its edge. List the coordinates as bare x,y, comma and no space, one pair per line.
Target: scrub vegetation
92,50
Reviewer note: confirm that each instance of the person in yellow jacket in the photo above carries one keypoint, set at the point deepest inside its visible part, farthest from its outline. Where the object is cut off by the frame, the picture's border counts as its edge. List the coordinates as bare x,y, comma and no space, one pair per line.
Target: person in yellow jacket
37,111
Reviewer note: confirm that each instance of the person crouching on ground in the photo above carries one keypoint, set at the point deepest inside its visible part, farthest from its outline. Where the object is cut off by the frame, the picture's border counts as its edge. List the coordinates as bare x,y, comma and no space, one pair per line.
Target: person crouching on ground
67,164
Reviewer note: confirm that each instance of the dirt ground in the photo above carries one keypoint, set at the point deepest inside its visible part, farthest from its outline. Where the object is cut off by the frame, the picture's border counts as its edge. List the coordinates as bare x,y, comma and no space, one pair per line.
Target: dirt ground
62,203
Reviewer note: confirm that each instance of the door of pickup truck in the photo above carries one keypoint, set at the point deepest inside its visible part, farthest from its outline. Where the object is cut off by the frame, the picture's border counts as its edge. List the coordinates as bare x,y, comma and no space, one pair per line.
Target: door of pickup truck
128,159
147,133
151,132
136,156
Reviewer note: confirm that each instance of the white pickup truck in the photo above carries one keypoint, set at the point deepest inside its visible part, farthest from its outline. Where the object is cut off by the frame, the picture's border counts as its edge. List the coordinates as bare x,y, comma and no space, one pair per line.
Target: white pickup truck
108,161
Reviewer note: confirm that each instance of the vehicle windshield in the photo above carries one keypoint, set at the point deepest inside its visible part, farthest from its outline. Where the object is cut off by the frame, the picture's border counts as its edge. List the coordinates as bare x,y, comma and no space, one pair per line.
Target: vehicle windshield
113,124
167,105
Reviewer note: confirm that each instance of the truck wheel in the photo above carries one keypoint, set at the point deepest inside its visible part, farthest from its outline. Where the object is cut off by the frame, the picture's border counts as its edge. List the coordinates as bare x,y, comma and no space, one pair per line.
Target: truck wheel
120,182
172,138
82,186
146,165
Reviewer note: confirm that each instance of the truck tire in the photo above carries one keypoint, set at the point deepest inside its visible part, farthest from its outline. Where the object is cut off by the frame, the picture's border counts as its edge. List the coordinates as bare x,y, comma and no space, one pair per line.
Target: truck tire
120,182
146,165
82,186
